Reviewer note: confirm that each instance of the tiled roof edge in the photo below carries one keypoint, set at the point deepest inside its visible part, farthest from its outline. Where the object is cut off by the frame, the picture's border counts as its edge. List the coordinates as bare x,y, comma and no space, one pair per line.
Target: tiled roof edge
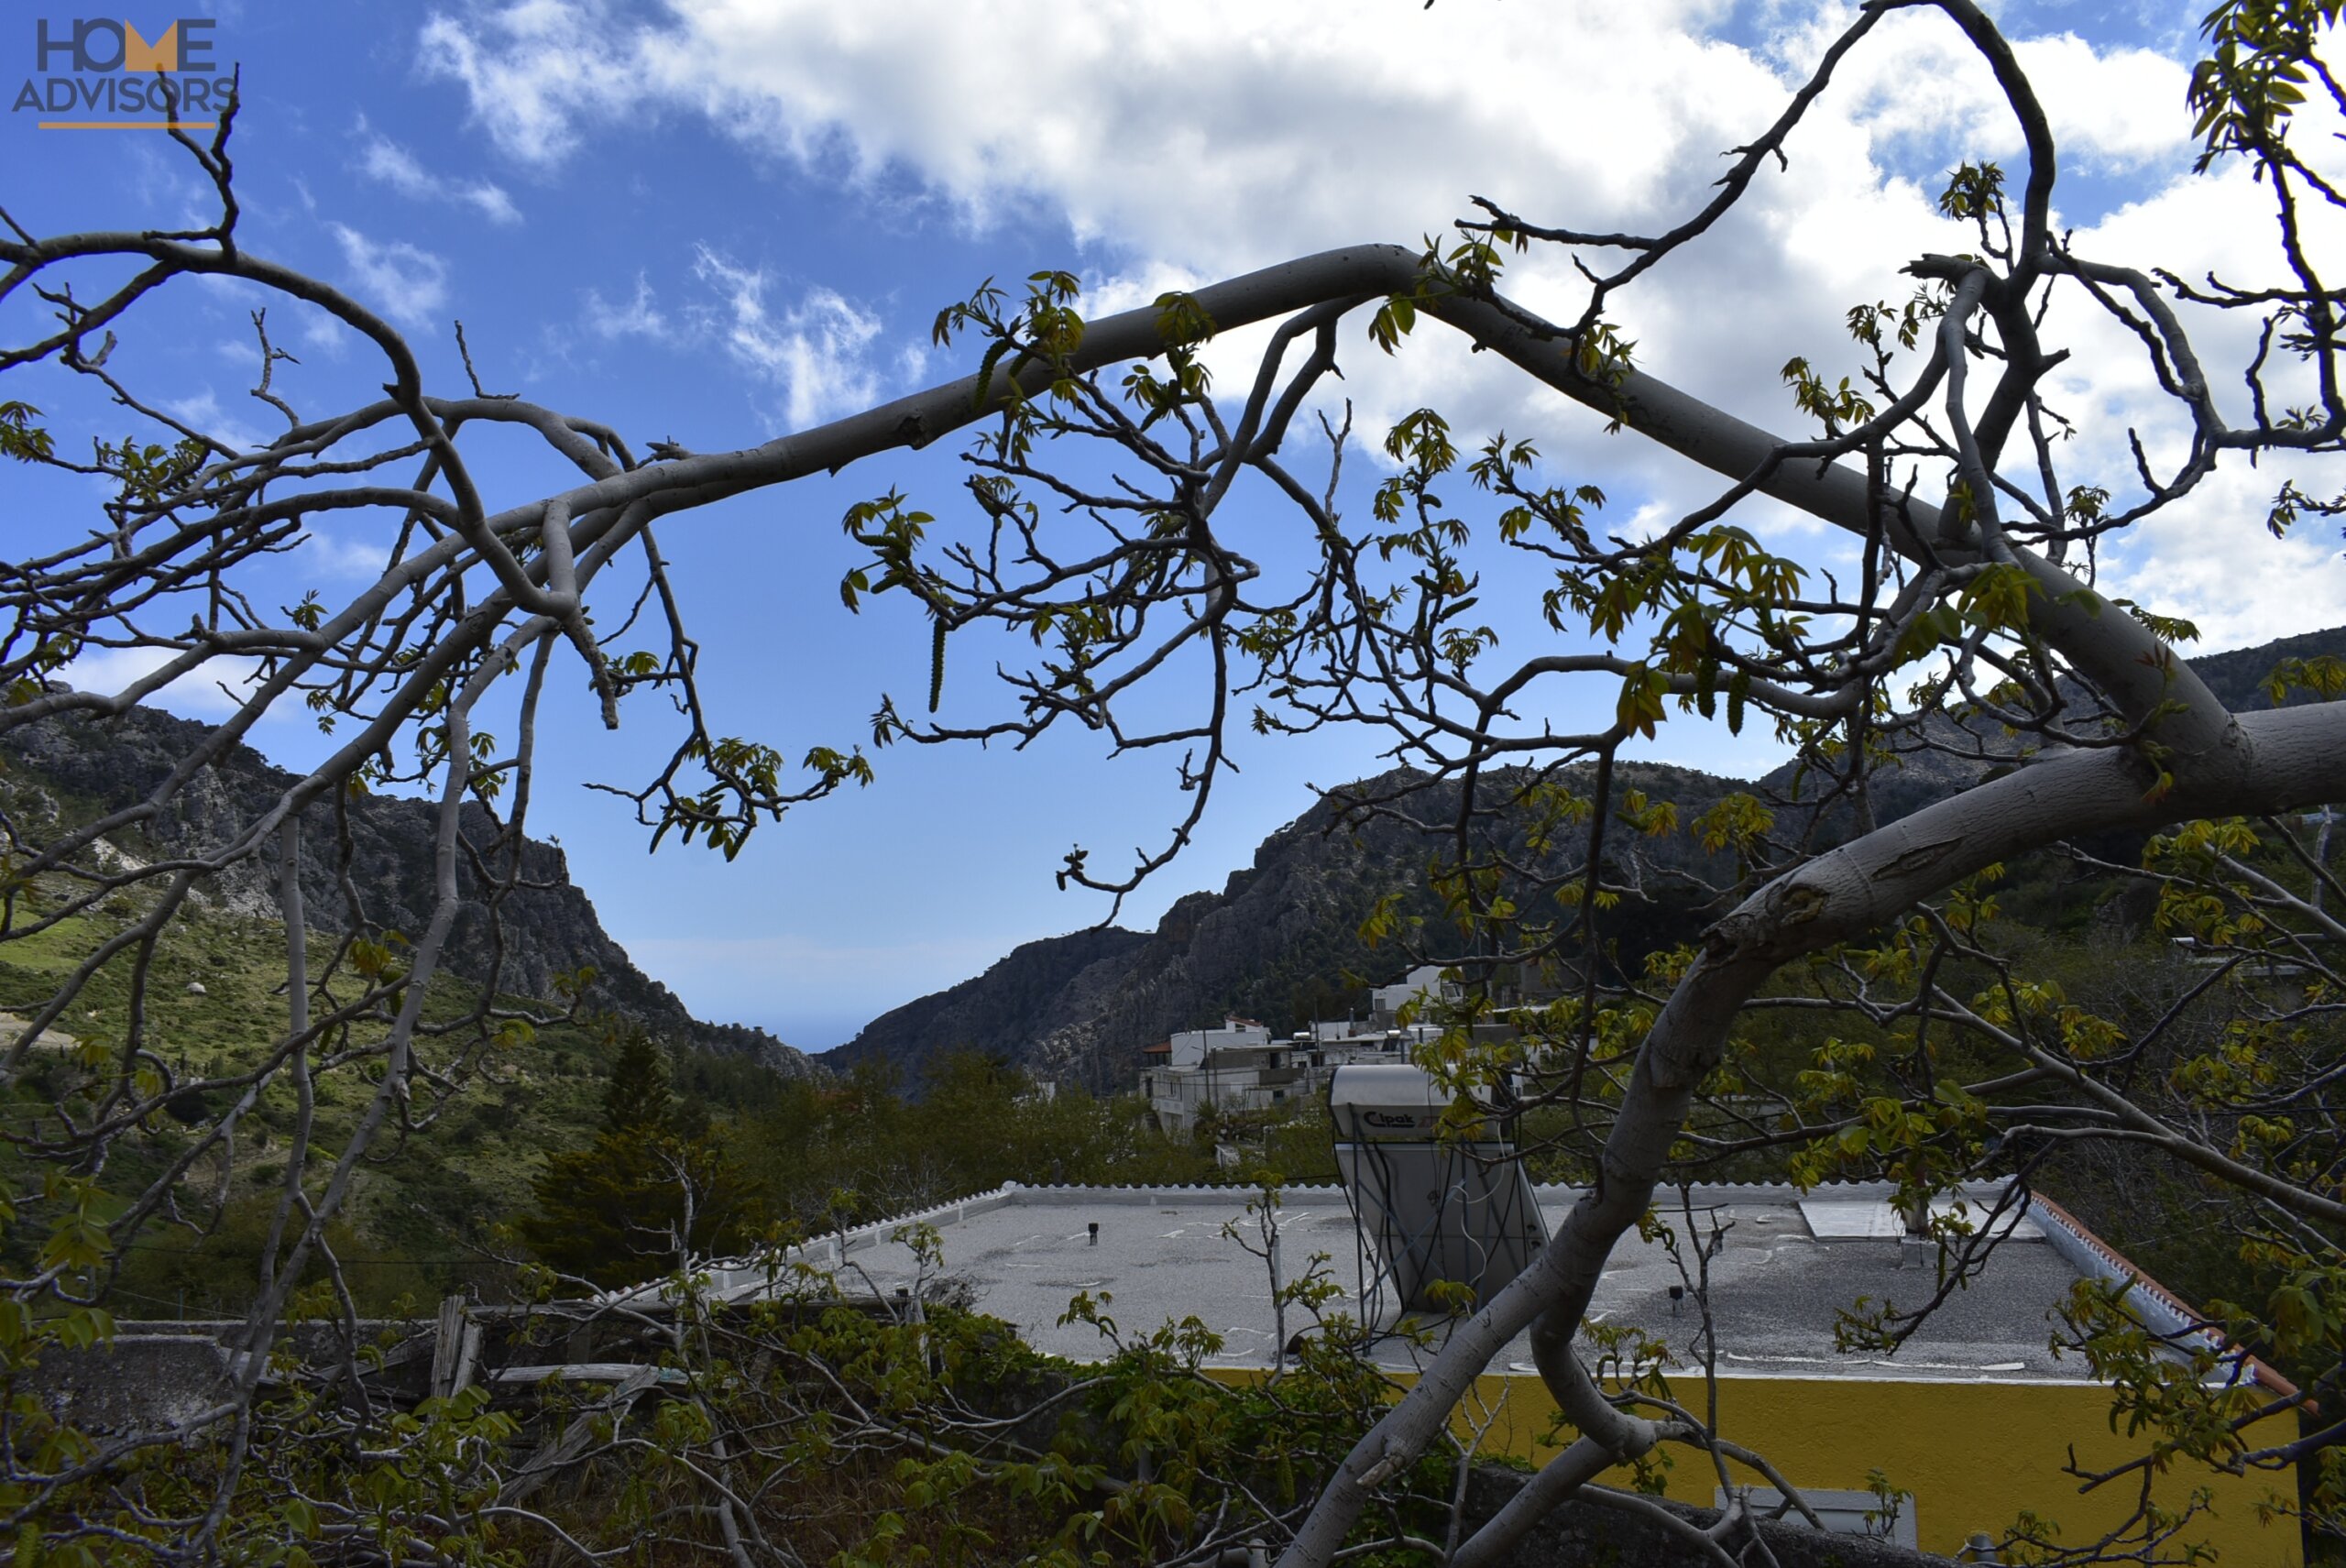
2171,1314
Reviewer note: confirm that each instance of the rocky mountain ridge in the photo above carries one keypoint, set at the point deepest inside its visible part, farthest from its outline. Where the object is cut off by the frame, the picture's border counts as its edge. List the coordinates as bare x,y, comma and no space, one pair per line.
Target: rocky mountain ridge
89,766
1275,942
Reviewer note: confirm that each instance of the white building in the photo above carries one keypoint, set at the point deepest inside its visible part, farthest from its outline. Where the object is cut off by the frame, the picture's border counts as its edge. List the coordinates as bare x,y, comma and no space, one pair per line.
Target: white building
1240,1068
1422,984
1190,1047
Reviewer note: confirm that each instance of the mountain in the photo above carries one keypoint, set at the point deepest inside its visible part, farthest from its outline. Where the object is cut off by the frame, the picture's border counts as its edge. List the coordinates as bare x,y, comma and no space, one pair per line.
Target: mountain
2237,678
1029,994
1275,944
87,767
1279,940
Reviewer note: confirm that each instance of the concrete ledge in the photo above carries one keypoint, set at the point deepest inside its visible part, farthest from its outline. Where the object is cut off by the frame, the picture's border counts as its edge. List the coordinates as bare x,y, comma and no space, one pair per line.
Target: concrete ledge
589,1372
1583,1533
143,1382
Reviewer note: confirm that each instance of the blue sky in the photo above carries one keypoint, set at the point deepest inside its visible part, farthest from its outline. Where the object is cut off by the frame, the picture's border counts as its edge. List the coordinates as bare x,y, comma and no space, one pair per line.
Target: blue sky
717,222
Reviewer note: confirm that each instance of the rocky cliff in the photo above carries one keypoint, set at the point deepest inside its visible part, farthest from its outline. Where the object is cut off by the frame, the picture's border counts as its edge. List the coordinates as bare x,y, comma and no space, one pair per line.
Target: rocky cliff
91,767
1279,941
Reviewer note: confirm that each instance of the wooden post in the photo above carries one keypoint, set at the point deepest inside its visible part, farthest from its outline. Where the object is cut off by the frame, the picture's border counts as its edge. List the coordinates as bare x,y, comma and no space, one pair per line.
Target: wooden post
446,1342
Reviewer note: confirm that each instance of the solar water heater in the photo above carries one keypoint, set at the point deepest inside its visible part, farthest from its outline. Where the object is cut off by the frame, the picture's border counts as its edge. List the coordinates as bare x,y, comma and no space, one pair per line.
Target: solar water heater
1434,1203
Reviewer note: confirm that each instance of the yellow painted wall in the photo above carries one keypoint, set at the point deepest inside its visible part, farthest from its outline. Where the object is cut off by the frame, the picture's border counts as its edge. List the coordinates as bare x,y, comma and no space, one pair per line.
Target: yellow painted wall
1973,1454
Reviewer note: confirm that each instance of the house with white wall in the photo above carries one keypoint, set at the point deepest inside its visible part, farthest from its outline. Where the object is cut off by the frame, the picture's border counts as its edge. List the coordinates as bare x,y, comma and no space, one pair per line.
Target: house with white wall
1241,1067
1420,985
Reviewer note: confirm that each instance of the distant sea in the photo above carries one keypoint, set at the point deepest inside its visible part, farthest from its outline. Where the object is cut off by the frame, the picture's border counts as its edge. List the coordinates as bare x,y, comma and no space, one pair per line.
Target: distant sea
813,1033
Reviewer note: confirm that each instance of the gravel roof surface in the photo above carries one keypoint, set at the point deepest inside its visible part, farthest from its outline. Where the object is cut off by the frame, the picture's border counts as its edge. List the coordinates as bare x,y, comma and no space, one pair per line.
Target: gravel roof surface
1776,1284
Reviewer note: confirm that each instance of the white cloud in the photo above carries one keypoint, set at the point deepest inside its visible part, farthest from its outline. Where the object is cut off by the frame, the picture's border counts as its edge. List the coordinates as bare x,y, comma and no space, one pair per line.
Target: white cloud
2209,559
533,70
1187,143
817,352
640,317
1146,124
323,336
210,691
1918,81
203,412
336,556
1192,142
410,285
385,160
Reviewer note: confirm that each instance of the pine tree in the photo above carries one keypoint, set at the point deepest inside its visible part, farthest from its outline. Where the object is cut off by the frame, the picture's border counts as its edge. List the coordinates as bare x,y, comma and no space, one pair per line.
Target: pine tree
638,1095
613,1212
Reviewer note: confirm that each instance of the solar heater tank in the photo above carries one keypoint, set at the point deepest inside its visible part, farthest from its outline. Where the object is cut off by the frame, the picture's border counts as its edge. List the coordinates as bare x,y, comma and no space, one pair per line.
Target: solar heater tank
1430,1208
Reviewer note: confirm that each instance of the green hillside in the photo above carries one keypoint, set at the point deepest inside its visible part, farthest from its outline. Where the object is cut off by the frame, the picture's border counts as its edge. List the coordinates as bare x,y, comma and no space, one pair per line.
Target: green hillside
419,1208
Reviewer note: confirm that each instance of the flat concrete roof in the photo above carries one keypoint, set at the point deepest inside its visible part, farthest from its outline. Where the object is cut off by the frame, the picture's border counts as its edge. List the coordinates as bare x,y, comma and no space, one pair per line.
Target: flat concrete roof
1776,1281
